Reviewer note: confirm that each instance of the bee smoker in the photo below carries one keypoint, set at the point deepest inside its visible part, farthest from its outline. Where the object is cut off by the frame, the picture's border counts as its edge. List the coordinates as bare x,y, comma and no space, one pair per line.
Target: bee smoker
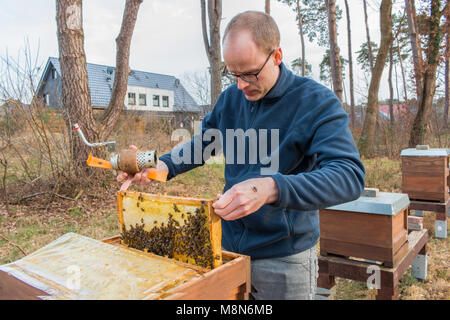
130,161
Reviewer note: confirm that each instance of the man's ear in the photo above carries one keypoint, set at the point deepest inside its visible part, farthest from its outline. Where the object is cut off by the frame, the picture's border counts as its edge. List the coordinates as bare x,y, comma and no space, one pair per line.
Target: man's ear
278,55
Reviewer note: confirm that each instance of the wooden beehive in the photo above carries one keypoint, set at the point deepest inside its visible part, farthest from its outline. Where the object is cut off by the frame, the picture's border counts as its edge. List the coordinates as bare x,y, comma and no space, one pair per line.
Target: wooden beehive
186,229
373,227
78,267
425,174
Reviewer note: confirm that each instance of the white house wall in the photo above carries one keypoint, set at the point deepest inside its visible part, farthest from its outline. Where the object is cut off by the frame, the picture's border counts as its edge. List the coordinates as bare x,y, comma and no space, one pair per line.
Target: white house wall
149,92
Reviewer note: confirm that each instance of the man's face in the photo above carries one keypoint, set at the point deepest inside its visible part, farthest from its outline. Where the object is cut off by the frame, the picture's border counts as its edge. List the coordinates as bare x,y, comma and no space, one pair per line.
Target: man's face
242,56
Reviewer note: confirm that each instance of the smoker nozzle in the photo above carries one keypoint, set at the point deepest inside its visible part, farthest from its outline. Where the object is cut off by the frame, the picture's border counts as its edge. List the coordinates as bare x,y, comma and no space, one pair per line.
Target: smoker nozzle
111,145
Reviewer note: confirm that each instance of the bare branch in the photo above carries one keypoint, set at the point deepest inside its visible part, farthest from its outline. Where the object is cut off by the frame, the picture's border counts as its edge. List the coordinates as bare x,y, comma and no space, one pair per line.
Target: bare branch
16,245
204,29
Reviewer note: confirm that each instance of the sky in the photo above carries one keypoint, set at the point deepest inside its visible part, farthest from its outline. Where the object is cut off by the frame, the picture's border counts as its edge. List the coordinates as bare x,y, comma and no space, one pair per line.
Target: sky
167,38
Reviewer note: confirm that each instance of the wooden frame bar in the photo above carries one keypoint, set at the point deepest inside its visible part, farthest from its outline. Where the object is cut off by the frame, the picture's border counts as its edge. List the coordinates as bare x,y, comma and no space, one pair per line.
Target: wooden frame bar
430,206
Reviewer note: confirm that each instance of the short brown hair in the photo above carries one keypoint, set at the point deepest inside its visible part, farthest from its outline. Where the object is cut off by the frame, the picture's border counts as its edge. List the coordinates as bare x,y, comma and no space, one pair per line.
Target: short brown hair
262,27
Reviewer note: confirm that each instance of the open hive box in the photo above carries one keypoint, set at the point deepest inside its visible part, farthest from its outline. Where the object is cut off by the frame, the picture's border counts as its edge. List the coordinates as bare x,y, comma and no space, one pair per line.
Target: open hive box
187,262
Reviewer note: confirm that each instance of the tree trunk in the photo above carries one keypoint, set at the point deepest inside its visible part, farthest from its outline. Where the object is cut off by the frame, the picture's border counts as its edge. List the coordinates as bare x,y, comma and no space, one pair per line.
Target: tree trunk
267,7
120,86
396,83
350,65
212,45
345,104
402,70
335,61
391,87
76,96
420,125
302,37
369,44
415,45
397,33
367,140
447,79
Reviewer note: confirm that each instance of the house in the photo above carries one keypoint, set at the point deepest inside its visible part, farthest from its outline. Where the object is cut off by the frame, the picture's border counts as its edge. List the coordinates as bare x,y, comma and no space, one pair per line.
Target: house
400,111
153,94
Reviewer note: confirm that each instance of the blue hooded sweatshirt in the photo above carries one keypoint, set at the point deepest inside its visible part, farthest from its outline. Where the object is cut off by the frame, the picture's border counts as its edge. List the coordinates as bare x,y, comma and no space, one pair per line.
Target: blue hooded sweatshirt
319,165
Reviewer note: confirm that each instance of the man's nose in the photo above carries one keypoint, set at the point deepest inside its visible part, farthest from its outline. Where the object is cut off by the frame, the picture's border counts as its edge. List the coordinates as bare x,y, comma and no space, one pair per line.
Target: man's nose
241,84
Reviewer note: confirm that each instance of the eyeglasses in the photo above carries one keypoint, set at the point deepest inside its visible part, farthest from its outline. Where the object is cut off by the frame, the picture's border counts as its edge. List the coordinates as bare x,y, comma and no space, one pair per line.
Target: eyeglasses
247,77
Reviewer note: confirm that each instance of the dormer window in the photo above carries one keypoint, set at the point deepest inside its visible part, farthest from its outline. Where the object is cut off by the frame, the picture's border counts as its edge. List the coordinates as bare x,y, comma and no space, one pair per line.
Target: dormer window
142,99
53,73
155,101
131,98
165,101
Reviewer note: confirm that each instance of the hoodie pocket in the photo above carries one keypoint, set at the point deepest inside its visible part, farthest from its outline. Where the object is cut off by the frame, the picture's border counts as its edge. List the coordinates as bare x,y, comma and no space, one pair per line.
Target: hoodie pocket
287,216
265,227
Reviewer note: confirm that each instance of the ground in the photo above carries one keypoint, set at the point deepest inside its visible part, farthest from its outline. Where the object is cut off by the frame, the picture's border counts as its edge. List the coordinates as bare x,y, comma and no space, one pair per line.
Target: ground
34,224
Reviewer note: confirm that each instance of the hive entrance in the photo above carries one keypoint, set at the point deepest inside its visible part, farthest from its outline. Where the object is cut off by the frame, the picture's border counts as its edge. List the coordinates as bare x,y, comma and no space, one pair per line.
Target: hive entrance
185,229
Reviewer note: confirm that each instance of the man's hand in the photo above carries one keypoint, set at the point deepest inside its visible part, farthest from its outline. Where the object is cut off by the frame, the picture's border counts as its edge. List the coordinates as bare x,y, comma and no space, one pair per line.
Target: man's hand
140,178
245,198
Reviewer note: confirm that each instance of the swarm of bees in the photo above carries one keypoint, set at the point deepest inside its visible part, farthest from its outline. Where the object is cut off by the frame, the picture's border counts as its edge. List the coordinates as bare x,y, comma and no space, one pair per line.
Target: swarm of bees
192,239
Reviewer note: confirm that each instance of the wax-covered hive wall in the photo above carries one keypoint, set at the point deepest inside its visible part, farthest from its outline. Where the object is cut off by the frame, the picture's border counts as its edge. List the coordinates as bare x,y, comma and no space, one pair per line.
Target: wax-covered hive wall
186,229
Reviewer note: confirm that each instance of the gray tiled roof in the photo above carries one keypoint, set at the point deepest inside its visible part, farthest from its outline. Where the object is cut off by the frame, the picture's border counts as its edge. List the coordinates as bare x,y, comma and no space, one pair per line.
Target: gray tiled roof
101,87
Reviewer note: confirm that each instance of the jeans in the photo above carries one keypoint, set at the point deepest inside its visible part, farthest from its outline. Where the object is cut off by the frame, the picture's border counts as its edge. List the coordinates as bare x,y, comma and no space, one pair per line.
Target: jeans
287,278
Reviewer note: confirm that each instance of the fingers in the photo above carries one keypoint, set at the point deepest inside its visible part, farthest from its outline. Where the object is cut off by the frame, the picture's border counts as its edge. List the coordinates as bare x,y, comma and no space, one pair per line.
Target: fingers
232,205
140,178
225,199
239,212
236,206
126,184
132,147
121,176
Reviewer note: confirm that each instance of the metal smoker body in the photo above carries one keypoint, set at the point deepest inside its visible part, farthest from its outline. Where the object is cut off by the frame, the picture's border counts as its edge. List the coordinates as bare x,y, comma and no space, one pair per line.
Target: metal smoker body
132,160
